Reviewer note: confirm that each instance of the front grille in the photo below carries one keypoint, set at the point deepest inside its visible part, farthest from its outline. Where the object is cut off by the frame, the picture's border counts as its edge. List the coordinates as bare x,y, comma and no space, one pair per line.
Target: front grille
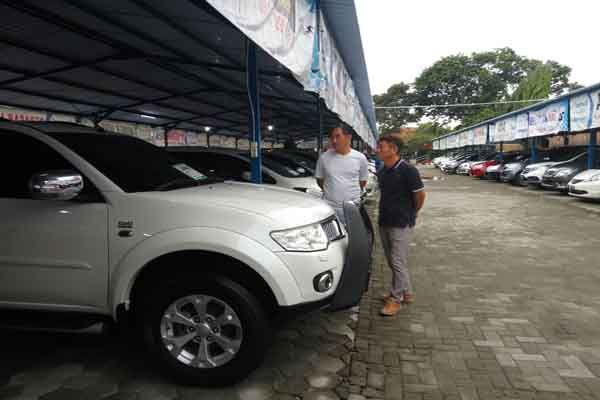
548,181
332,229
533,179
575,191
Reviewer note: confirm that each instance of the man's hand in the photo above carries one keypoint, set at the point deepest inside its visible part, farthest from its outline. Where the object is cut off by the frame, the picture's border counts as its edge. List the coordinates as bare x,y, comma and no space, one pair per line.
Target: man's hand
320,182
419,200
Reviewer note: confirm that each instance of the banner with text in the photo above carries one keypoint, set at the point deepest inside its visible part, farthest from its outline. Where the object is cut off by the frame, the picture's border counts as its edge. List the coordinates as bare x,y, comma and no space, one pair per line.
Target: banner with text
585,111
286,29
549,120
480,135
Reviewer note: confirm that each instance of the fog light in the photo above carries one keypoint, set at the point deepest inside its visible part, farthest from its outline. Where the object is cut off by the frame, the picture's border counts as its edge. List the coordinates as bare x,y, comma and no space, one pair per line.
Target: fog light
323,282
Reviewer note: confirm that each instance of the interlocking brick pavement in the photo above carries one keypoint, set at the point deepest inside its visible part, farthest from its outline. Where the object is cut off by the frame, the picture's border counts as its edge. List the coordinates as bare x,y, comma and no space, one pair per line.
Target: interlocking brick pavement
507,302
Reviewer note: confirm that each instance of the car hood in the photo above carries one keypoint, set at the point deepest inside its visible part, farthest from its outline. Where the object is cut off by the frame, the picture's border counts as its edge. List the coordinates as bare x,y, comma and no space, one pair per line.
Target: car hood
293,207
307,182
541,164
514,165
587,174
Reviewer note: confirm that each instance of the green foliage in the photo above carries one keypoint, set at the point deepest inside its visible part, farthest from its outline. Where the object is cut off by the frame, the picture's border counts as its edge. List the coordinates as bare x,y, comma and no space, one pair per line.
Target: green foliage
425,133
392,120
483,77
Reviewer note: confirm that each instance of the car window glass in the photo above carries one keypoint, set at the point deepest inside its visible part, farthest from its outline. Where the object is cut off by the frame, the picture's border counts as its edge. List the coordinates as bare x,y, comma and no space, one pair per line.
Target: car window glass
222,165
22,156
132,164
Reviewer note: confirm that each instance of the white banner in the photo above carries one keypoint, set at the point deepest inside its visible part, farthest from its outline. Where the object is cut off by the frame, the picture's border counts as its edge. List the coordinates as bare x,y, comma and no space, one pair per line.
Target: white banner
585,111
480,135
462,139
452,141
549,120
500,132
492,128
522,121
470,137
286,30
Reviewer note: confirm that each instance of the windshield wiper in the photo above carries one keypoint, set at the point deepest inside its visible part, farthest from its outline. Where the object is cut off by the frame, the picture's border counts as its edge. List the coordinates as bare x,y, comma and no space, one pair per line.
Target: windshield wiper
178,183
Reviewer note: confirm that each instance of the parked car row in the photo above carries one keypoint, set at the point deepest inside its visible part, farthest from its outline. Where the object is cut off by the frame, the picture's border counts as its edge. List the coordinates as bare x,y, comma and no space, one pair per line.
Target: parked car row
282,168
104,227
565,169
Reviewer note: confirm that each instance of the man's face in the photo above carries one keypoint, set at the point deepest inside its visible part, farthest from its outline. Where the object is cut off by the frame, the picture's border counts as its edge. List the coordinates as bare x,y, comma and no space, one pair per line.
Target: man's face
338,140
385,150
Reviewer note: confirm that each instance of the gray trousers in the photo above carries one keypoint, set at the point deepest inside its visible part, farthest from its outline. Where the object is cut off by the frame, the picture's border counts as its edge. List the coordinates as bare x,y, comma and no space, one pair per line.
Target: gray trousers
395,243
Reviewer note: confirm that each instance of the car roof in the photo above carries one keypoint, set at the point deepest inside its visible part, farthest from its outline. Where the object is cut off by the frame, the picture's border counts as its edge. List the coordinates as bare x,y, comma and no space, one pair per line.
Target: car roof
63,127
195,149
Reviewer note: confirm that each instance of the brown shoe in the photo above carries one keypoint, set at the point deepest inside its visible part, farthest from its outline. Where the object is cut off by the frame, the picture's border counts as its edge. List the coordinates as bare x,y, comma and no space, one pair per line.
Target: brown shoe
408,298
390,308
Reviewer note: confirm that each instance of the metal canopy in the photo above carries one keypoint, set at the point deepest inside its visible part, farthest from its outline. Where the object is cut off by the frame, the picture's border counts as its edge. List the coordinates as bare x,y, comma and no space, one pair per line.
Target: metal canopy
169,64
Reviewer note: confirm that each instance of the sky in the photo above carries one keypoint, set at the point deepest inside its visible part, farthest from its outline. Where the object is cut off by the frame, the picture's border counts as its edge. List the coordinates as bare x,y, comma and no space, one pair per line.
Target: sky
403,37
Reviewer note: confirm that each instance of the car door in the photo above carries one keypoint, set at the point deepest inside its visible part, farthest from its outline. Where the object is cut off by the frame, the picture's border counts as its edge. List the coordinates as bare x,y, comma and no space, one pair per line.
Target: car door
53,254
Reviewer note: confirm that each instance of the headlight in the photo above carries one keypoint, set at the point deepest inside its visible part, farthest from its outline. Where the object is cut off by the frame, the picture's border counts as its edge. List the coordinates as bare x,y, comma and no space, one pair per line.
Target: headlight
594,178
564,172
306,238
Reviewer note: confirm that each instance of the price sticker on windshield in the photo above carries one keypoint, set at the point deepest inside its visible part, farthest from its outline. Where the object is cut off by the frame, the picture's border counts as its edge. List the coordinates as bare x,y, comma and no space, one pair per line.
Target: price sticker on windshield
189,171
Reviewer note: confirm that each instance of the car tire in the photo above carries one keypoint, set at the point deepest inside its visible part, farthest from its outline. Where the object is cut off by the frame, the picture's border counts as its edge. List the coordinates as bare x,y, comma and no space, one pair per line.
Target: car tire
252,330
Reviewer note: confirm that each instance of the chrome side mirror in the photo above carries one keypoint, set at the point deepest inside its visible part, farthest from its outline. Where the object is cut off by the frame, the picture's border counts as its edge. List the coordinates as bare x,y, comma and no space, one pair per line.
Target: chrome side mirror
55,185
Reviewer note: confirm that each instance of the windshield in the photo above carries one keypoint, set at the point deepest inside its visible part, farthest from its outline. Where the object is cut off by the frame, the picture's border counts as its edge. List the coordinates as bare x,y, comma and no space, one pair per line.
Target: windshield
304,162
285,167
131,163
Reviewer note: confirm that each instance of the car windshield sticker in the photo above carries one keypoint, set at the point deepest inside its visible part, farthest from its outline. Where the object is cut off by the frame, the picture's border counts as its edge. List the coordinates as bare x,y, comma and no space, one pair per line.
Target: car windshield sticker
189,171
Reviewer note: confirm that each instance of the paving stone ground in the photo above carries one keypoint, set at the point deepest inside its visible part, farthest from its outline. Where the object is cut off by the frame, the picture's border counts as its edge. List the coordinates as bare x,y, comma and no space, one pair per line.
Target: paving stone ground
508,305
309,360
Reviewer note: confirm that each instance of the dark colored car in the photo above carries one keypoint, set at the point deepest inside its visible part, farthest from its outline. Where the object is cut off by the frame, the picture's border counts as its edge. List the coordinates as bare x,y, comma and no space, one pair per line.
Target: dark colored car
493,174
559,175
510,172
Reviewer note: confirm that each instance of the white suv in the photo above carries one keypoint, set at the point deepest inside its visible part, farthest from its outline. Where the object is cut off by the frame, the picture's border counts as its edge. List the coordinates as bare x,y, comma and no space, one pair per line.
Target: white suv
109,226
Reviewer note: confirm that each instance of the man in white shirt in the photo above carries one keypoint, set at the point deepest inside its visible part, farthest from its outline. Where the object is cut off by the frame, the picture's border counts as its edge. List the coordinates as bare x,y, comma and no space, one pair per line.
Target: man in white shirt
341,172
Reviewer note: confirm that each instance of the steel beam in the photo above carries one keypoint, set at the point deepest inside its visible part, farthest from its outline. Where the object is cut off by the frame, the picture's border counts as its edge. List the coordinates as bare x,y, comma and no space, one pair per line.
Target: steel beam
592,148
254,103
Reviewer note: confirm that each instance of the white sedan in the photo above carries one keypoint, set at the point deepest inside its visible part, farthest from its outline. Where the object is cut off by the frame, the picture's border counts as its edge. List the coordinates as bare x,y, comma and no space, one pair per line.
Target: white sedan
586,185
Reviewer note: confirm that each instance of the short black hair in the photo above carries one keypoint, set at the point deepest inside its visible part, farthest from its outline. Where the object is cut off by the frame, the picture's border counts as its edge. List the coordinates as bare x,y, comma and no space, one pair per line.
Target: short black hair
392,139
346,130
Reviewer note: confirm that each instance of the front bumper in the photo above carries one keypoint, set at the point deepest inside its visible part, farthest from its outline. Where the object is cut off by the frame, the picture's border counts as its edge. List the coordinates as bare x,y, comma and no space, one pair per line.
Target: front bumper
492,176
356,274
585,190
556,182
349,260
509,176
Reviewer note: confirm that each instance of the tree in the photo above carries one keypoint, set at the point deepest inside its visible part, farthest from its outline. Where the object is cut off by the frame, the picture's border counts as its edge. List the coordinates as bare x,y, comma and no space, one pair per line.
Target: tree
456,79
425,133
391,120
536,85
479,78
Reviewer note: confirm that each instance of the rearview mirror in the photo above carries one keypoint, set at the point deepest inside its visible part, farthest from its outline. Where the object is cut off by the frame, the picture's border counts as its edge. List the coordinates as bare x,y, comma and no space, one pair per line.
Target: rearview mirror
55,185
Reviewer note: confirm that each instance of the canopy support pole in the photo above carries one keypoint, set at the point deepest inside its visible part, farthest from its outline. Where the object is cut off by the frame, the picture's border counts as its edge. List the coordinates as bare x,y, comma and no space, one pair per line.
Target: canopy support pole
254,117
592,148
533,145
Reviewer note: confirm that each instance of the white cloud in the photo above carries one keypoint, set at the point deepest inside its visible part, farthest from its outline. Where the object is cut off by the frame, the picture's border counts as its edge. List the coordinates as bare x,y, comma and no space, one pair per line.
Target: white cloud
402,37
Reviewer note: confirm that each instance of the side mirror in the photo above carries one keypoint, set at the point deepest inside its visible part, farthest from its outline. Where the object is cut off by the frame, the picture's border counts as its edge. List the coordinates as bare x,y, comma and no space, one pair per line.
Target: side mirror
55,185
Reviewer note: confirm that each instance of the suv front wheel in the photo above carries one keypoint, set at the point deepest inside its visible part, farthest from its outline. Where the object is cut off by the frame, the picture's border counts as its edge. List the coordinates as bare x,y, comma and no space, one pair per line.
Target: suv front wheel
207,333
